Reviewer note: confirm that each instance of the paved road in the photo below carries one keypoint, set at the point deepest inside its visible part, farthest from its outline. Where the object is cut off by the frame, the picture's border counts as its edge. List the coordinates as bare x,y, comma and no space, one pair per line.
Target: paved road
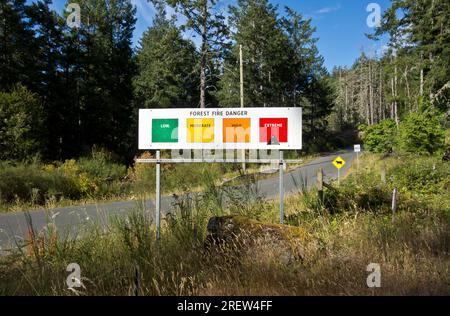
13,226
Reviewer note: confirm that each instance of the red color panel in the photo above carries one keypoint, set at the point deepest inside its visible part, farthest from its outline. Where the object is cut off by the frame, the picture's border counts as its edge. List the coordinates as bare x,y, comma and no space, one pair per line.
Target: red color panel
277,127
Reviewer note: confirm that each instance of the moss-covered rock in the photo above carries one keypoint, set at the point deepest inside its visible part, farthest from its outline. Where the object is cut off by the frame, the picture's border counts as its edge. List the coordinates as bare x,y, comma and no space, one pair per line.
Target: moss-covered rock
251,239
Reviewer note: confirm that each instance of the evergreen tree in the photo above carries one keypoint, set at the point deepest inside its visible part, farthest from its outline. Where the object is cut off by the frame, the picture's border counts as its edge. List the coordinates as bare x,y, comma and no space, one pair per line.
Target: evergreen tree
423,31
310,87
203,18
104,69
266,56
49,28
167,66
17,46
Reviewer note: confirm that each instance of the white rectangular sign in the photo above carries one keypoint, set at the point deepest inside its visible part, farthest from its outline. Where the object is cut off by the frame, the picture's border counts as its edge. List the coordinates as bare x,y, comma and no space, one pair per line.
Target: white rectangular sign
221,128
357,148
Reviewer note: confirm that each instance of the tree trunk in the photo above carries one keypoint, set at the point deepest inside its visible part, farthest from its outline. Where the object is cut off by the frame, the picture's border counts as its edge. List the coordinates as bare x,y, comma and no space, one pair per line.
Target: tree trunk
382,112
407,88
370,93
431,85
204,51
421,75
346,102
395,95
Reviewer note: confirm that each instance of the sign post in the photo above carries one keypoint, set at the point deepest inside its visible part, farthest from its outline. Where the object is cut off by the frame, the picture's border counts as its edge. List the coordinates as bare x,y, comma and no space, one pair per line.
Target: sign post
338,163
394,202
357,149
158,195
281,188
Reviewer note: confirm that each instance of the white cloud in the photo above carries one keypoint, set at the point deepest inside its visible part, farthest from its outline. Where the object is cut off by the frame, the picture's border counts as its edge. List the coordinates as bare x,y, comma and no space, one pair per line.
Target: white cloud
377,50
328,9
144,9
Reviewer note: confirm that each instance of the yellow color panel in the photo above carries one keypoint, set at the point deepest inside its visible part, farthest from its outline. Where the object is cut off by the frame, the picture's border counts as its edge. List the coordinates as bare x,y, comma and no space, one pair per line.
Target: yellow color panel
200,130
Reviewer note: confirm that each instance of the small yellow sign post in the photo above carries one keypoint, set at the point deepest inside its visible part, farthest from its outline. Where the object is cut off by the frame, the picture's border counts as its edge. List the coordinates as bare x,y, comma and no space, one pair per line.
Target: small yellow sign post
338,163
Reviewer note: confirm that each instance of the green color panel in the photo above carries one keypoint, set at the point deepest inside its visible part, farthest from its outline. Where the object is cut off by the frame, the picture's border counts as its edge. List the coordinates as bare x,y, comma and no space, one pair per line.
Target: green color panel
163,131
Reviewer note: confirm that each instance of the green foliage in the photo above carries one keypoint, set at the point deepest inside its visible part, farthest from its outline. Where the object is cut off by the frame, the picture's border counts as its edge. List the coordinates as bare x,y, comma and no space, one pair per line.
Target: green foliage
101,75
21,117
354,222
421,133
36,183
425,27
379,138
205,19
101,165
265,51
426,176
82,76
18,47
351,197
30,183
167,63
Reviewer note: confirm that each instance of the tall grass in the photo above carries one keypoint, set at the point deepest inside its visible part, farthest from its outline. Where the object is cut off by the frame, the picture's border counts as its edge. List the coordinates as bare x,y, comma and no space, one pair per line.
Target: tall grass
412,247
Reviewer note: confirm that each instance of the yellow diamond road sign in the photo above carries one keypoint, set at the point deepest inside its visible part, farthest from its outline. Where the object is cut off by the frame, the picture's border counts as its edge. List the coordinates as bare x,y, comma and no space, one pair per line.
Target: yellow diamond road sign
339,162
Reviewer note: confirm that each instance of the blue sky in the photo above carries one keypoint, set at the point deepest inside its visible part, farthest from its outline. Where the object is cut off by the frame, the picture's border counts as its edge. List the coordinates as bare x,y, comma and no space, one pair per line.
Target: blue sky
341,25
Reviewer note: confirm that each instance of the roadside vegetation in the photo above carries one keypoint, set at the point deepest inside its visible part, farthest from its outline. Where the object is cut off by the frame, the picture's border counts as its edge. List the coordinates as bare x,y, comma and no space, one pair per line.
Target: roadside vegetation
100,177
353,226
95,178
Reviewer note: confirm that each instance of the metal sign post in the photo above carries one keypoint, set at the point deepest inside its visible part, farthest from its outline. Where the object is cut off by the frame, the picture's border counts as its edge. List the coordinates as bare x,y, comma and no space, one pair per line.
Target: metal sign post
158,195
281,165
357,149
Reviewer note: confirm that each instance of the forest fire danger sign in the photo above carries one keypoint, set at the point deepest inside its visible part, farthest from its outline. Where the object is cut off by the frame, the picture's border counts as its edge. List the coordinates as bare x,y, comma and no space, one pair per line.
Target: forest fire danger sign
221,128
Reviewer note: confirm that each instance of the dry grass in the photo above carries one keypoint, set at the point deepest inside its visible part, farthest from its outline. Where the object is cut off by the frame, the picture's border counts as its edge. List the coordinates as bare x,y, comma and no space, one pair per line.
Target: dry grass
411,248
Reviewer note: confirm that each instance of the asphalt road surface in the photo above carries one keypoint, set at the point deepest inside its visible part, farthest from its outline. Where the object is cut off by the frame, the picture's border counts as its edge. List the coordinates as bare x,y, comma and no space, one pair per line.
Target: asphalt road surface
14,227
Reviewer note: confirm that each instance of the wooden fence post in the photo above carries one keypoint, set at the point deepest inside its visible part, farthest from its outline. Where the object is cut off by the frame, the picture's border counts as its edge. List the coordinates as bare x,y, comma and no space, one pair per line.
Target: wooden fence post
137,281
383,173
320,184
394,202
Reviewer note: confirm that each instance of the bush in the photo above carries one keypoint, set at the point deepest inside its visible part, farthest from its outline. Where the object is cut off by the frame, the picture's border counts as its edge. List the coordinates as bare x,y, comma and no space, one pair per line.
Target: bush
30,183
379,138
21,124
36,183
426,175
421,133
99,173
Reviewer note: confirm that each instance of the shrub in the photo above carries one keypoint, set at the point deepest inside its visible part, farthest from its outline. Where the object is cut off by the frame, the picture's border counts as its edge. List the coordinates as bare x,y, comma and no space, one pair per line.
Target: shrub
379,138
99,174
35,183
21,124
421,133
30,183
426,176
